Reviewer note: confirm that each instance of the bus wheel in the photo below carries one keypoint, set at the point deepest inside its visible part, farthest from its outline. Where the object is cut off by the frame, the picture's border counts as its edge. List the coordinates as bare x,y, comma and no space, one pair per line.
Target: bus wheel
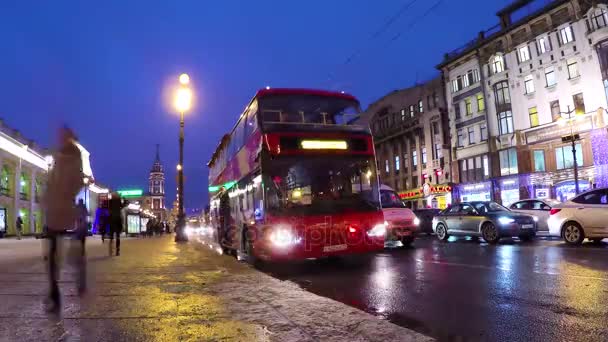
251,258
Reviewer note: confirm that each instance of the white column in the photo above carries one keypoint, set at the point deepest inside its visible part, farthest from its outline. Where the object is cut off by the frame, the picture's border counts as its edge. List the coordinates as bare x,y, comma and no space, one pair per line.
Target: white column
32,200
17,191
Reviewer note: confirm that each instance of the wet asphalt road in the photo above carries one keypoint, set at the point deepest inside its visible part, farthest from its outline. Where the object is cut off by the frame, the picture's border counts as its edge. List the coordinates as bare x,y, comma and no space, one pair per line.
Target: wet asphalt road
467,290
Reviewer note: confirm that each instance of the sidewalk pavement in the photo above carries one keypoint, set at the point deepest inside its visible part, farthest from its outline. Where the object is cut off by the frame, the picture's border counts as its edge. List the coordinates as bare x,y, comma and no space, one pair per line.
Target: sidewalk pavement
159,291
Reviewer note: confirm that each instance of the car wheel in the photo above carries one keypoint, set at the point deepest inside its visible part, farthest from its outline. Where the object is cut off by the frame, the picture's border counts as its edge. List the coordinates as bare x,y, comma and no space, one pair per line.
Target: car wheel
490,233
407,241
442,232
573,233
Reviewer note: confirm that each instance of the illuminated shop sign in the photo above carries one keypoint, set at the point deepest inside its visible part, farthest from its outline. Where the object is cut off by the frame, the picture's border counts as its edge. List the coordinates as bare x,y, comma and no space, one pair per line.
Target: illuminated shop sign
130,193
324,145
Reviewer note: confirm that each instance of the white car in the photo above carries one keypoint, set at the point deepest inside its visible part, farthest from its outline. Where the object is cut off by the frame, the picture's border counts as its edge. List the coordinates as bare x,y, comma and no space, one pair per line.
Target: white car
536,207
584,216
402,223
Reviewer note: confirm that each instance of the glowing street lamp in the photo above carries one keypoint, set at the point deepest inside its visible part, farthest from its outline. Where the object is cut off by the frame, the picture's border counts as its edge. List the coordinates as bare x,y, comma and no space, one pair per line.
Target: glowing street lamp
182,103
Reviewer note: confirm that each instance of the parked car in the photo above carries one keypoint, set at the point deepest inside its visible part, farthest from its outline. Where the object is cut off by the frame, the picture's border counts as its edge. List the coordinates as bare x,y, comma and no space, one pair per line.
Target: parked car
489,220
401,222
536,207
426,219
584,216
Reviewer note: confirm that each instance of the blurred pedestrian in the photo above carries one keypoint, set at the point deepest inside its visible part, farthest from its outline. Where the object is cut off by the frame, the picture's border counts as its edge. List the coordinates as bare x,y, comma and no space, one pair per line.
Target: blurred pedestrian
64,182
80,234
19,227
116,206
103,223
149,228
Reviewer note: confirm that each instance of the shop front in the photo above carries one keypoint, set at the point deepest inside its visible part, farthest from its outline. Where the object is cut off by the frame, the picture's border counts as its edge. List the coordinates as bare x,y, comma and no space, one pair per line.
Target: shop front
509,190
475,192
566,190
438,196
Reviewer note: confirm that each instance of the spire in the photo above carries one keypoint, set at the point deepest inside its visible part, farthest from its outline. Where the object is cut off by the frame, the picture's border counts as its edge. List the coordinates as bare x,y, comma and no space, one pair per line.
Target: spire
157,166
157,153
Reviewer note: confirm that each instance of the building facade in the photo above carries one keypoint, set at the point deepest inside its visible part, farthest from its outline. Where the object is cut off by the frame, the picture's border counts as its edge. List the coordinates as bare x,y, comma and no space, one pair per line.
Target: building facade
23,174
517,96
155,199
412,143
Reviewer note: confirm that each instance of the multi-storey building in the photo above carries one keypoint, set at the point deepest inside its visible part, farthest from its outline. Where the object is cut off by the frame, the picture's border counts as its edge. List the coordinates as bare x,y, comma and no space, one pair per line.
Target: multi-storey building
23,173
519,91
155,200
412,143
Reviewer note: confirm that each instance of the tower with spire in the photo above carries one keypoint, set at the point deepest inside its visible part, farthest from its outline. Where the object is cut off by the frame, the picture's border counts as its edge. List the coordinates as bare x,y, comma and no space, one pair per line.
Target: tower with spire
156,187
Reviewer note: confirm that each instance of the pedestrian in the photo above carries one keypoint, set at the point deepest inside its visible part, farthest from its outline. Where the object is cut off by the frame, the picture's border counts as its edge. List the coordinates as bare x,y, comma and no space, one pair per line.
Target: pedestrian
149,227
64,182
116,206
19,227
80,234
103,223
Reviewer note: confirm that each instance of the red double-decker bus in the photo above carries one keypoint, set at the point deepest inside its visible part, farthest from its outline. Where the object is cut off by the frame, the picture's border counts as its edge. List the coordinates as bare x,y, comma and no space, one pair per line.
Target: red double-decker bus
296,179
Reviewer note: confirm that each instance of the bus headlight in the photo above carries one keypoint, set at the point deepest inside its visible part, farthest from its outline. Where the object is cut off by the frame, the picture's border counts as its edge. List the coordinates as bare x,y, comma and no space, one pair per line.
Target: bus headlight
283,237
416,221
377,231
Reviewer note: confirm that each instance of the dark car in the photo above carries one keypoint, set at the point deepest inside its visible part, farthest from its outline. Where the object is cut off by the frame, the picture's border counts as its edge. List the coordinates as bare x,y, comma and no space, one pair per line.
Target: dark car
426,219
489,220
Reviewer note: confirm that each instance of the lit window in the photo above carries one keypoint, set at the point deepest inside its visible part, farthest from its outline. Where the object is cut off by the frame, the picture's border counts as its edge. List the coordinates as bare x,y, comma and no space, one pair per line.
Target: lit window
501,92
455,86
579,103
423,155
486,167
411,111
460,137
564,158
481,104
466,81
539,160
420,107
414,158
529,83
533,113
523,53
505,122
550,76
566,35
403,114
600,18
483,129
468,106
438,151
386,168
397,164
573,69
508,162
543,45
497,65
471,131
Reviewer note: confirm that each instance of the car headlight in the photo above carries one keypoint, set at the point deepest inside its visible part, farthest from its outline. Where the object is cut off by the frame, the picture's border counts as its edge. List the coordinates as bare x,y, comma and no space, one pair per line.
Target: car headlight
188,230
535,218
416,221
283,237
378,230
505,220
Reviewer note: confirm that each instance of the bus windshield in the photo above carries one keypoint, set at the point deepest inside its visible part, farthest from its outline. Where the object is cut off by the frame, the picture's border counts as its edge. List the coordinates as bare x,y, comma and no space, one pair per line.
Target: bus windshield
321,185
309,109
390,199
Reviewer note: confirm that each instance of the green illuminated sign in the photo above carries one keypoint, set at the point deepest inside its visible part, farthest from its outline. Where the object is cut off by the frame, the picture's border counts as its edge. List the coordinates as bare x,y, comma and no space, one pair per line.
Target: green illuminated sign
130,193
226,186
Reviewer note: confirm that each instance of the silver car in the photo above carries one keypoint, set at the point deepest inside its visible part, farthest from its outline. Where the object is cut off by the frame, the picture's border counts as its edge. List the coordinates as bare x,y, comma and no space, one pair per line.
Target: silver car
540,208
489,220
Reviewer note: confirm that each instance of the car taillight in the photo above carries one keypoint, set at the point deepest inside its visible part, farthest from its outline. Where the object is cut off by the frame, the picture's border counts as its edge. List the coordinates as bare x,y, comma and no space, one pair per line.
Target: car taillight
352,230
554,211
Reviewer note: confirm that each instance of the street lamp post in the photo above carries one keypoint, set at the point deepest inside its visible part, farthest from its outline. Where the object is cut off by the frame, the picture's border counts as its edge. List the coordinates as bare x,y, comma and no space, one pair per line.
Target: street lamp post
572,138
183,100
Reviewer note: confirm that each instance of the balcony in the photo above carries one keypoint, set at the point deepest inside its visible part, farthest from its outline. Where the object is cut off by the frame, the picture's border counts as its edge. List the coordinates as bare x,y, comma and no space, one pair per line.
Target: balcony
597,28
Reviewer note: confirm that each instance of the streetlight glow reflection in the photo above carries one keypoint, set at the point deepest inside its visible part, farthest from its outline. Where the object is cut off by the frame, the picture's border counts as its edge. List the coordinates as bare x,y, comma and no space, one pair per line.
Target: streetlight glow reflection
183,99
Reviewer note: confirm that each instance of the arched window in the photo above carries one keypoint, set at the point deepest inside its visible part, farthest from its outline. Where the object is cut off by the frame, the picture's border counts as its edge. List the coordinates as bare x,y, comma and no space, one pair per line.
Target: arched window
497,64
501,92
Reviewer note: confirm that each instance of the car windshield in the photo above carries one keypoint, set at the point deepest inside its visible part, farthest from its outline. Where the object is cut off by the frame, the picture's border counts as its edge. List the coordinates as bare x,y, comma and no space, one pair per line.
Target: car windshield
309,109
390,199
488,207
321,185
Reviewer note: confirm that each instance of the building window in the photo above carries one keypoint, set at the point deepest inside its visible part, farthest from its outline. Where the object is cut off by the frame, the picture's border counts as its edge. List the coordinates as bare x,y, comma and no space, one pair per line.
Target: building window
414,182
455,86
523,54
386,167
465,81
497,64
411,111
486,166
550,76
403,114
405,161
481,104
397,164
435,128
438,151
435,100
468,106
555,110
414,159
573,69
566,36
457,110
423,155
564,158
539,160
5,176
505,122
529,84
600,18
460,137
543,45
471,131
420,107
501,91
508,162
533,113
579,103
483,130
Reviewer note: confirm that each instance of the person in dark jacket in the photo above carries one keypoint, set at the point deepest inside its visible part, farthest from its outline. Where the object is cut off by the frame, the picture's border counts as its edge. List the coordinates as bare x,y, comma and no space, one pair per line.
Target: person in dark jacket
116,206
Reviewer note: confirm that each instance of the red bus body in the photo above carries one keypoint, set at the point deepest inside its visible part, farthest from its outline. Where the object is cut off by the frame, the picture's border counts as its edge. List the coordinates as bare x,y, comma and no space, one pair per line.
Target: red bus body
296,180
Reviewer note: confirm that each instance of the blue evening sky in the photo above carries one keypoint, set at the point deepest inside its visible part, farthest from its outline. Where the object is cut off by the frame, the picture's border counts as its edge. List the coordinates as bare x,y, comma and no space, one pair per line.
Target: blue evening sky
101,67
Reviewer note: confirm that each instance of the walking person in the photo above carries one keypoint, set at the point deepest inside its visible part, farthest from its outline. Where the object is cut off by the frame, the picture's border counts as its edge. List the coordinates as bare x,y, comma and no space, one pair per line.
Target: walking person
115,222
64,182
103,223
80,234
149,226
19,227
